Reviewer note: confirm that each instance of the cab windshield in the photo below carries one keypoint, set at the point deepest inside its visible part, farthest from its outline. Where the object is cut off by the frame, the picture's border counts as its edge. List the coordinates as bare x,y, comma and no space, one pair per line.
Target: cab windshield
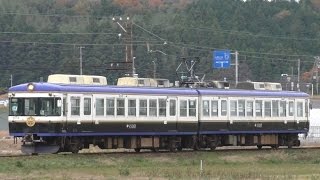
35,106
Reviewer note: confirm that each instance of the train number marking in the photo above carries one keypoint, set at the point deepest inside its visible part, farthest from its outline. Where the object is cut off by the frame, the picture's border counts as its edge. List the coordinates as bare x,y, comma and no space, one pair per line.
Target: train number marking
131,126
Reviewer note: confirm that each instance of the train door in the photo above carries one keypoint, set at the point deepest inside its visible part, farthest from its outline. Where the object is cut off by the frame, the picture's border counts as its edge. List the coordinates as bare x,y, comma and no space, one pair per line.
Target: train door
73,111
87,112
172,113
187,114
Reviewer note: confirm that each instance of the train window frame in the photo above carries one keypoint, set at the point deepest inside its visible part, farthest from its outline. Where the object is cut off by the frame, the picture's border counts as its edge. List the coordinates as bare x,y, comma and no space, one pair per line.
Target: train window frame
291,108
249,108
120,106
241,108
299,109
132,107
100,106
172,107
112,108
206,108
87,106
224,107
192,108
283,108
214,108
153,109
275,108
162,104
258,109
267,108
233,108
75,102
183,108
143,108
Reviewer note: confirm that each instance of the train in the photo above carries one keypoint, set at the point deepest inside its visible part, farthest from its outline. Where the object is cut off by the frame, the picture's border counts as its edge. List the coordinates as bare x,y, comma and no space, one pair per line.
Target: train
53,117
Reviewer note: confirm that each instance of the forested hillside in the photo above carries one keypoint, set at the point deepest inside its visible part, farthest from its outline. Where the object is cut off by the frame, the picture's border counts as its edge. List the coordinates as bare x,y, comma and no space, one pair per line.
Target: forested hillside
38,38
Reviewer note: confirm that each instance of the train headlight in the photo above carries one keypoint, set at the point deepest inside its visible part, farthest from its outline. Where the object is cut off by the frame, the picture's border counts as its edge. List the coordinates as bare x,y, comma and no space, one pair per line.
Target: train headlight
30,87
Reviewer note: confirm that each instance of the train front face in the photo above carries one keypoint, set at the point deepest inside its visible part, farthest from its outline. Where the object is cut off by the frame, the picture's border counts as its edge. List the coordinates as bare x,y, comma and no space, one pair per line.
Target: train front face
35,116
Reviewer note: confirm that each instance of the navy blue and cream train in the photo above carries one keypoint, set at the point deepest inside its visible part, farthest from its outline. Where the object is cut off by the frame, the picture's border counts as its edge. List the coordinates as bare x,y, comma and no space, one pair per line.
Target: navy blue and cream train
67,118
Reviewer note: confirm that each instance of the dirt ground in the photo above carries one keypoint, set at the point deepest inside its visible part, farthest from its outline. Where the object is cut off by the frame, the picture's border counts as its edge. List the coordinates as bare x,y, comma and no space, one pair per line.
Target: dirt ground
7,145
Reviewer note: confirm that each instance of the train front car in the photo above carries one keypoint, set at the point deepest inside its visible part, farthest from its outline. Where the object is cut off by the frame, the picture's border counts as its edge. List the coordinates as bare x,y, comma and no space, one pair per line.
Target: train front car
35,113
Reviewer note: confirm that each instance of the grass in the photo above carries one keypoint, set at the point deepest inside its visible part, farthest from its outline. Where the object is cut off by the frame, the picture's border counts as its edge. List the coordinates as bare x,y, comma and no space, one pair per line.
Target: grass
265,164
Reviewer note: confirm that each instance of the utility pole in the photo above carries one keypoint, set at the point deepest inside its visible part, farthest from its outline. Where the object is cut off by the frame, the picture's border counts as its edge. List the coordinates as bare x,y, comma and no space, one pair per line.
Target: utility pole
81,47
11,79
154,69
237,64
298,84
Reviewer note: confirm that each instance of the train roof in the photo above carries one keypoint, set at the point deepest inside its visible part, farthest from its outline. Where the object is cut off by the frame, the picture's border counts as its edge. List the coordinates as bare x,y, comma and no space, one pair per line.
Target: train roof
50,87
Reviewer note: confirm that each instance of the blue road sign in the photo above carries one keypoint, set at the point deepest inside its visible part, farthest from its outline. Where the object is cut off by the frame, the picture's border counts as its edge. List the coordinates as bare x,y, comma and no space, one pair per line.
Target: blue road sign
221,59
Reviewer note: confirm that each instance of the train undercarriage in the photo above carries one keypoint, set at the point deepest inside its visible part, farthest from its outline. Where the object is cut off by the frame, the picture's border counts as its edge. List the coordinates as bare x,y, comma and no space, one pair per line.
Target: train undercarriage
32,144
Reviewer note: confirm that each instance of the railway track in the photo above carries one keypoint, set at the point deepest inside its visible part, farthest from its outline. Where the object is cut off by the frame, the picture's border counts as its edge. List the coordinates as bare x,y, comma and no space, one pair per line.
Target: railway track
186,151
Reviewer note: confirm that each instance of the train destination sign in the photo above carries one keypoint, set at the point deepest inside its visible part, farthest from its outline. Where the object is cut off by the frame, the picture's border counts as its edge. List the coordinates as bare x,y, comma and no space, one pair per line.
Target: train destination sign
221,59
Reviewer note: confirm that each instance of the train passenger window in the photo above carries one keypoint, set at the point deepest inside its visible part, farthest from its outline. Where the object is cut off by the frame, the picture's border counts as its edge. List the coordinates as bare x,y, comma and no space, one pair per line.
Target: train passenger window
152,107
120,107
75,106
99,107
214,108
258,108
162,107
172,107
96,80
291,109
87,106
300,109
249,108
233,107
132,107
142,107
275,108
267,109
241,107
183,108
224,108
283,109
205,108
192,107
110,107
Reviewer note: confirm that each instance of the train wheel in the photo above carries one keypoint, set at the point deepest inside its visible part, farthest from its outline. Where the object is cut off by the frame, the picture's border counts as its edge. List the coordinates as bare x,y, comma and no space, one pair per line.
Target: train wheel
155,149
137,150
179,148
259,147
275,147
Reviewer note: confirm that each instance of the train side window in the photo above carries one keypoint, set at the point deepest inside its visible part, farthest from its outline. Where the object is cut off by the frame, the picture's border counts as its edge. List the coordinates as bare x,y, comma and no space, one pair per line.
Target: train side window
75,106
224,107
233,107
99,107
249,108
120,107
87,106
275,108
132,107
152,107
183,108
258,108
192,108
291,108
142,107
241,107
162,107
283,109
300,109
267,109
110,107
172,107
205,108
214,108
